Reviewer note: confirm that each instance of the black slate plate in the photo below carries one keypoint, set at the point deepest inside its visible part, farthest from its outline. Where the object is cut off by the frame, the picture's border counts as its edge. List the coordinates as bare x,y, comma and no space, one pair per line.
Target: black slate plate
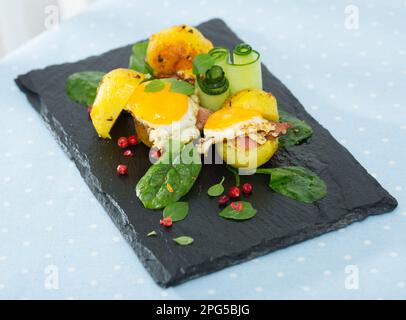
352,196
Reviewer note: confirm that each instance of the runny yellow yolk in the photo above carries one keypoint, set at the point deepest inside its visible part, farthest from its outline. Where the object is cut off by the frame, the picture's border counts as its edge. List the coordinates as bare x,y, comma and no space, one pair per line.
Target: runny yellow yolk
228,117
160,108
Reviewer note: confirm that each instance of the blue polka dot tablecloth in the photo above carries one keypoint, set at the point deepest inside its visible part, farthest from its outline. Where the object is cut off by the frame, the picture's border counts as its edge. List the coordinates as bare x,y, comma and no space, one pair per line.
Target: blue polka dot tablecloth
57,242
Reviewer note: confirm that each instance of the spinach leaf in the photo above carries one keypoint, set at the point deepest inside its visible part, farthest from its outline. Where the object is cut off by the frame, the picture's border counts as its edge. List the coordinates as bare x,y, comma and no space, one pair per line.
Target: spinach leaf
82,87
184,240
178,211
171,177
154,86
217,189
296,183
299,131
240,210
138,58
202,62
180,86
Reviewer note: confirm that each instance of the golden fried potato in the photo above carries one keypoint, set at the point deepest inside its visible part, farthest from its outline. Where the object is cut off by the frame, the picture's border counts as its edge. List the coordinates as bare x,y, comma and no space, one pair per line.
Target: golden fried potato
142,134
113,94
247,158
257,100
171,51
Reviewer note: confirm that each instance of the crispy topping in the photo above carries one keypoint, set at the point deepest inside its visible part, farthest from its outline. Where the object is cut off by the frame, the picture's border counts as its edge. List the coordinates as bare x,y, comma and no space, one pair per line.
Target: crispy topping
181,75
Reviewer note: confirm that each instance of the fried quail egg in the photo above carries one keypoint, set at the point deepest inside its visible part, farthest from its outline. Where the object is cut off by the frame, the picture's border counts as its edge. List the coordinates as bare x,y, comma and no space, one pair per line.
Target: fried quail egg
230,123
164,115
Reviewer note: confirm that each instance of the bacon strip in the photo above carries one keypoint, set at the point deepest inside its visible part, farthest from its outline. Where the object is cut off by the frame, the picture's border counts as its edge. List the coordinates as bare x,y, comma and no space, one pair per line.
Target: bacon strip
202,116
245,142
280,129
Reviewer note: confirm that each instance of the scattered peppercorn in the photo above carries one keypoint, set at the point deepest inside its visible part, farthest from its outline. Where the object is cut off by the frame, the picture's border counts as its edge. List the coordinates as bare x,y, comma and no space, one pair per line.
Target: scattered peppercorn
247,188
166,222
132,140
122,169
234,192
237,206
223,200
155,154
122,142
128,153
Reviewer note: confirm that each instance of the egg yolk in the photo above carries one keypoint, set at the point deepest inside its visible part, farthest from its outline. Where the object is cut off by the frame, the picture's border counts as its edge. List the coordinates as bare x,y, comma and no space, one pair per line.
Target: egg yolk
160,108
228,117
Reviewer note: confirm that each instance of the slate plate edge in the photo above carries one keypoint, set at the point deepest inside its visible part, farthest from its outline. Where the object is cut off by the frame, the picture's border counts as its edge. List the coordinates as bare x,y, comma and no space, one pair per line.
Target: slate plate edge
155,268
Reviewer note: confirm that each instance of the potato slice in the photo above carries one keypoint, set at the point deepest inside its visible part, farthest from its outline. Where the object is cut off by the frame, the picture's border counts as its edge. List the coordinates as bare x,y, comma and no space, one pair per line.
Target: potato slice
113,94
250,158
257,100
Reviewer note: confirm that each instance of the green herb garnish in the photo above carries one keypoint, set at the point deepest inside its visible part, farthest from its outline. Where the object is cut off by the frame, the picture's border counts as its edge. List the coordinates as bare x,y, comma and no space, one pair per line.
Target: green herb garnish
184,240
171,177
154,86
297,133
178,86
217,189
202,62
178,211
240,210
82,87
296,183
152,234
138,58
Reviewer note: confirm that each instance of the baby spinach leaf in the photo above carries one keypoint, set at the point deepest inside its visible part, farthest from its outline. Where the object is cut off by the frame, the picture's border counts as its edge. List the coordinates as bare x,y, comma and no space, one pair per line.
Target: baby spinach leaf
298,132
171,177
152,234
178,211
138,58
155,86
180,86
202,62
82,87
296,183
184,240
245,211
177,86
217,189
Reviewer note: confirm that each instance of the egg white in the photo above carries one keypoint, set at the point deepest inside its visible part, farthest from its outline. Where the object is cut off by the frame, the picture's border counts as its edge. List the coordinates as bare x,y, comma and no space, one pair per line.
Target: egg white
250,127
183,130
